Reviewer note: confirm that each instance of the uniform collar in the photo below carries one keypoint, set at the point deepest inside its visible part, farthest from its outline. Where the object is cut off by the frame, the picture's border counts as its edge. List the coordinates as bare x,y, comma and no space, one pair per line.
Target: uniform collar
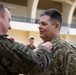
3,36
55,40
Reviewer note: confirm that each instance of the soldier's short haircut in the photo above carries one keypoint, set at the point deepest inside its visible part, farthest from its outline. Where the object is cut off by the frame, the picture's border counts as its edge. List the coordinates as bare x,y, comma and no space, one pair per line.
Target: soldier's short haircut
54,15
32,38
2,10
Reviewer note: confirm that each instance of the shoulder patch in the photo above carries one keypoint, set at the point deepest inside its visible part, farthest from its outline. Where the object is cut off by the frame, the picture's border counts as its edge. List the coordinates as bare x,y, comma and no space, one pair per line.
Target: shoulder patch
10,38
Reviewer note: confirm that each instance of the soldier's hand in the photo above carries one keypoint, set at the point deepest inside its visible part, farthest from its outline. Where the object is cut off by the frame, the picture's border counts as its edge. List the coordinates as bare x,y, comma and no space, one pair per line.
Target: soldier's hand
48,45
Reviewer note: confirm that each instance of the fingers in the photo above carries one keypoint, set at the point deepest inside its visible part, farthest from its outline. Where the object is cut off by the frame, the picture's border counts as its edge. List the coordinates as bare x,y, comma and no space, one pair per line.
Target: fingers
48,45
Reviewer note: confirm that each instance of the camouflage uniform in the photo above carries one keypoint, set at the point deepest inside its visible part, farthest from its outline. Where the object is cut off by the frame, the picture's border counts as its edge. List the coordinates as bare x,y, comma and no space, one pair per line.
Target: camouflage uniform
31,48
62,57
14,61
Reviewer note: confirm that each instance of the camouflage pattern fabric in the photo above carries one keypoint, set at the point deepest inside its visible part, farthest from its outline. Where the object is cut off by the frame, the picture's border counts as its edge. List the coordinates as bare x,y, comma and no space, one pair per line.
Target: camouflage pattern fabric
14,59
31,48
62,57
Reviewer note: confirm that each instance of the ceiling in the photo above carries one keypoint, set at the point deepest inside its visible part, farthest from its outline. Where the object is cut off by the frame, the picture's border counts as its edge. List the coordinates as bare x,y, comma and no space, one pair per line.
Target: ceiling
19,2
43,4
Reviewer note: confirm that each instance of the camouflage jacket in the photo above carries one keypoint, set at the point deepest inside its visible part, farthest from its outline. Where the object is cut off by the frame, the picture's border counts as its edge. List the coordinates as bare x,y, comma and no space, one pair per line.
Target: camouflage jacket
14,59
31,48
62,57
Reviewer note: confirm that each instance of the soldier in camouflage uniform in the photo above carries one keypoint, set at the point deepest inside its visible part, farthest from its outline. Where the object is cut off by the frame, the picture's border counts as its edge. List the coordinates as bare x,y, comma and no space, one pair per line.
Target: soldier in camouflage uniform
31,44
13,59
63,55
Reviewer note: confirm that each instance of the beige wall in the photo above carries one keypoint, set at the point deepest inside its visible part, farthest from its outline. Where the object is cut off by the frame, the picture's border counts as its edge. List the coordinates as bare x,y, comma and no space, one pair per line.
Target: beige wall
71,38
19,36
16,10
36,36
23,36
74,19
38,13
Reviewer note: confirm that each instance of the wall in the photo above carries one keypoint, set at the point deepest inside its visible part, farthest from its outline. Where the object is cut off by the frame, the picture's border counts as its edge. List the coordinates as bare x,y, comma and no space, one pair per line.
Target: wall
23,36
36,36
16,10
71,38
19,36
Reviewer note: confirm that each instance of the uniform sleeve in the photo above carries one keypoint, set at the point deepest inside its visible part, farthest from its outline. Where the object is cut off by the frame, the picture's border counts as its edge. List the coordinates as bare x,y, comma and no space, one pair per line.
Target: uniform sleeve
70,59
16,58
63,61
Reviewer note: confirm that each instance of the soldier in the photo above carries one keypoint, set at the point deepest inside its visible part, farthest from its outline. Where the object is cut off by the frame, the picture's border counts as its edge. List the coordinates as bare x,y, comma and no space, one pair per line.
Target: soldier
63,55
13,59
31,44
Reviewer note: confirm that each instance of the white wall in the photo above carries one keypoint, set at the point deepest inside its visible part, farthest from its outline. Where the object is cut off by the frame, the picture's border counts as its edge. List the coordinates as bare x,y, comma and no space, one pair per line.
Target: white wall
24,26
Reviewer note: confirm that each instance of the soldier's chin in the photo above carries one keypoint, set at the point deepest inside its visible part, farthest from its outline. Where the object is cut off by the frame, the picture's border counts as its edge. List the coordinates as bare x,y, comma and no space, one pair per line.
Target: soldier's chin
41,36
